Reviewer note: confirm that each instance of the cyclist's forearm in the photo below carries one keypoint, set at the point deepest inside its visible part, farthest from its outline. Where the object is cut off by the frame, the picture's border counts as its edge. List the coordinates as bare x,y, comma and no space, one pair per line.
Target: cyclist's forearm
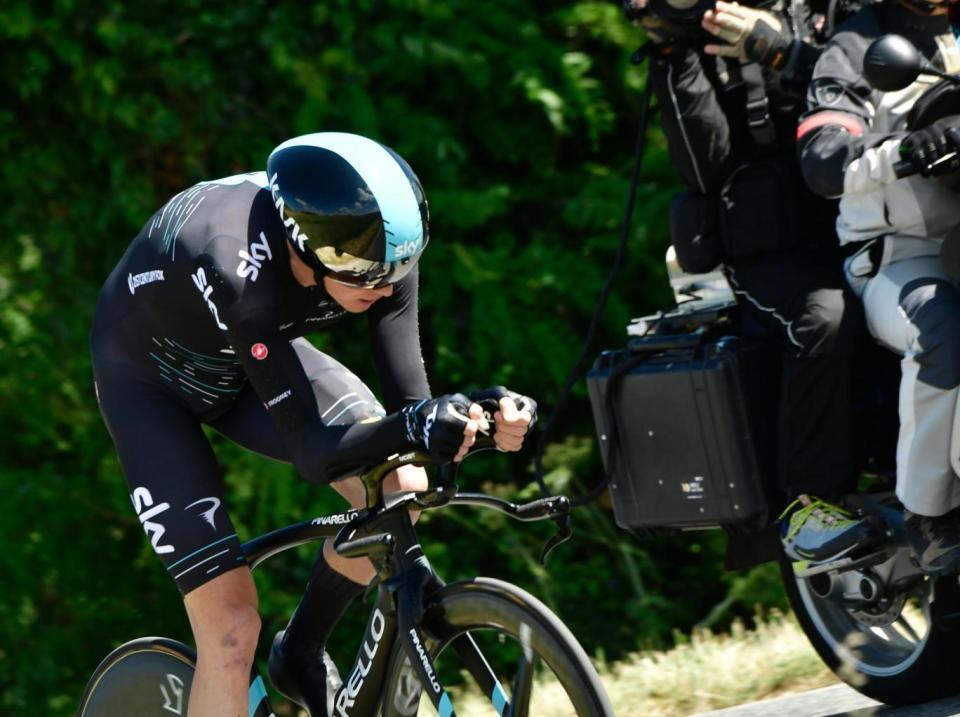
321,453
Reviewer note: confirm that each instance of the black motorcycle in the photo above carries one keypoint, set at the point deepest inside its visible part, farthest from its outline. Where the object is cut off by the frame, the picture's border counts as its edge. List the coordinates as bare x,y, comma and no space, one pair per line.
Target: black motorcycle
704,457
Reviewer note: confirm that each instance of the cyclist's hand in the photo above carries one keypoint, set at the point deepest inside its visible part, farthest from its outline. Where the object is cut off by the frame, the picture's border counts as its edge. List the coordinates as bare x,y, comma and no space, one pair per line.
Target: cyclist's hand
755,35
512,413
477,421
442,427
513,422
929,149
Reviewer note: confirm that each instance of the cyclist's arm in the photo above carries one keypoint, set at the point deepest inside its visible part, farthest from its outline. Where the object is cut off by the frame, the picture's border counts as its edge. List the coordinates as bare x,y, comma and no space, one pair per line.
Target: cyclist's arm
318,451
395,340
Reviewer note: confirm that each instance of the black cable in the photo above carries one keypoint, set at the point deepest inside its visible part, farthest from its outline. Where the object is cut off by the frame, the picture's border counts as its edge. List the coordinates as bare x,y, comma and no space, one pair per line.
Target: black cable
576,371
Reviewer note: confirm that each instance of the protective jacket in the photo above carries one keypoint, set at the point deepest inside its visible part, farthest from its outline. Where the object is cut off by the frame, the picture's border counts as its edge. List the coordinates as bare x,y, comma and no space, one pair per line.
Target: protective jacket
850,138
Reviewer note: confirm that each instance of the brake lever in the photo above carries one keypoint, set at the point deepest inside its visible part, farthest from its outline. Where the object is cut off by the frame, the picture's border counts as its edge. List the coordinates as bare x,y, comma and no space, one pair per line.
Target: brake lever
563,534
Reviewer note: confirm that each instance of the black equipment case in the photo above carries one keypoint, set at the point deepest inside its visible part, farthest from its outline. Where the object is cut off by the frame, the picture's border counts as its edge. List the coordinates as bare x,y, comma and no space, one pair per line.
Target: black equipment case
687,431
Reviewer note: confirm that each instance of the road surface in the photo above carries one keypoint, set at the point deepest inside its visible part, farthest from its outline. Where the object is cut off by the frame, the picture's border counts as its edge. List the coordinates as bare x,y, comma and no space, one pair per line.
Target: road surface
836,701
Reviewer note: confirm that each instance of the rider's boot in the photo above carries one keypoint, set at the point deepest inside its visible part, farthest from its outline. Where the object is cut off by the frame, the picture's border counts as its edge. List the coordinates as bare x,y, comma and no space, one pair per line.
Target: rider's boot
815,530
310,679
935,541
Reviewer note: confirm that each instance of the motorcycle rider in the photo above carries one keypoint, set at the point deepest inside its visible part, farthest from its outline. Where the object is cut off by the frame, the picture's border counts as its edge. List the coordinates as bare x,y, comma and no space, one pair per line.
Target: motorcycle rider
729,114
849,141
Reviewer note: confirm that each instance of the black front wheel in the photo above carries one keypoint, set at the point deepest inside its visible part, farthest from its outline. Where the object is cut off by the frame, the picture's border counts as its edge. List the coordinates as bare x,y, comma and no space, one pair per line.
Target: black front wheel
516,657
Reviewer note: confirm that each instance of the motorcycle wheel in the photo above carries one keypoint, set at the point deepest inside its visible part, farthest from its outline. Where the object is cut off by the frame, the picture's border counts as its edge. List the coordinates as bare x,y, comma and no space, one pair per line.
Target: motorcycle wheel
905,656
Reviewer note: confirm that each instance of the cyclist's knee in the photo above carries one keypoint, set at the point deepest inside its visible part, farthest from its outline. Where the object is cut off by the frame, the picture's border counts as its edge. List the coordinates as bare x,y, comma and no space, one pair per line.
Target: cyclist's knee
224,618
406,478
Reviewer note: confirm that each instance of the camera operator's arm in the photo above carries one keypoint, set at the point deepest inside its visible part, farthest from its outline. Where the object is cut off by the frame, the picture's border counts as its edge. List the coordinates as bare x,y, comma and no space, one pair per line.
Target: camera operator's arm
762,37
839,152
697,130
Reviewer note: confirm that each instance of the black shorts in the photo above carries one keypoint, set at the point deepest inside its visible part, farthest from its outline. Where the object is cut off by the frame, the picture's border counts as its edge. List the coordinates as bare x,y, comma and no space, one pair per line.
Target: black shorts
174,481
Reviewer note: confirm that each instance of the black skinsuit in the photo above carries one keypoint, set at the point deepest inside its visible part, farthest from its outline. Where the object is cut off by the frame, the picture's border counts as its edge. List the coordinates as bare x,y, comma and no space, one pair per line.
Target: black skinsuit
200,323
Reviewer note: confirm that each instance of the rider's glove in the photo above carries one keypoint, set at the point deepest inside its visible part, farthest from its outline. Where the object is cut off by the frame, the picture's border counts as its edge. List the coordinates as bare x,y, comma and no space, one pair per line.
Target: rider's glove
436,425
754,35
489,400
929,149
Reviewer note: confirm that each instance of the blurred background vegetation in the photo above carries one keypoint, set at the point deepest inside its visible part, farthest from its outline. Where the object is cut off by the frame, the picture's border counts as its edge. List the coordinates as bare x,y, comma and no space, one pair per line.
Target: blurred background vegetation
520,118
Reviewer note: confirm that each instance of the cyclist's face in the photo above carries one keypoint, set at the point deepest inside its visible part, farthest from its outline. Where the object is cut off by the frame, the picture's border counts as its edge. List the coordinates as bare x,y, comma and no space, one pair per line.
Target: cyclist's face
354,299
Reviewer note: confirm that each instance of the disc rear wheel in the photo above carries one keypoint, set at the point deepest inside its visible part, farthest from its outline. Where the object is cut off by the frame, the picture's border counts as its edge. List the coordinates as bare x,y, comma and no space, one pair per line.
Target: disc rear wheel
147,677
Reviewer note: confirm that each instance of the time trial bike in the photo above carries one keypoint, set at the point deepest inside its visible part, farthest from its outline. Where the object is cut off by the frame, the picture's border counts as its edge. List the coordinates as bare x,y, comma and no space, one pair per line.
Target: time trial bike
420,632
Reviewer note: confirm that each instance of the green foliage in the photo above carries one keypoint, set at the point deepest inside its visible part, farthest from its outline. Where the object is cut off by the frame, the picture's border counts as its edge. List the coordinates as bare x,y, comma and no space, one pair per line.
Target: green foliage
519,116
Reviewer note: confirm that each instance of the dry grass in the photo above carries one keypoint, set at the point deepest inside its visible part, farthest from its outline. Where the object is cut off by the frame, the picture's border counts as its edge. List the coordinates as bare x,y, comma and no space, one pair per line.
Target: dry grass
706,673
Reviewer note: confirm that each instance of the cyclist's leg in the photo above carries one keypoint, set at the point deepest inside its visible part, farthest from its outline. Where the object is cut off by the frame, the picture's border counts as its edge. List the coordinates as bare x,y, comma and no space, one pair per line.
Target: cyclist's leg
176,492
296,667
225,623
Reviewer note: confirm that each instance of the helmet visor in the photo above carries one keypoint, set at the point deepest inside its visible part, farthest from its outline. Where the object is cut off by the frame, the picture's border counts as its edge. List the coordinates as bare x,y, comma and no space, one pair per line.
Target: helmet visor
376,275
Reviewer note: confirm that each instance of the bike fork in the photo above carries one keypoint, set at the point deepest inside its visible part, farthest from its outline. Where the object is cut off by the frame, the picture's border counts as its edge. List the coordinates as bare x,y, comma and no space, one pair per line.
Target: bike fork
257,699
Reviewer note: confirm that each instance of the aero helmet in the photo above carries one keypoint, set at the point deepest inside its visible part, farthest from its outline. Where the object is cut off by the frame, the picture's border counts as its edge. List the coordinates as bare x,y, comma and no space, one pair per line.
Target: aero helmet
353,208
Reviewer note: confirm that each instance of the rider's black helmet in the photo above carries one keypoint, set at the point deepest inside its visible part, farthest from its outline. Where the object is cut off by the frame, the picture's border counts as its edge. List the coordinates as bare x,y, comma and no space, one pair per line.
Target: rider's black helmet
353,208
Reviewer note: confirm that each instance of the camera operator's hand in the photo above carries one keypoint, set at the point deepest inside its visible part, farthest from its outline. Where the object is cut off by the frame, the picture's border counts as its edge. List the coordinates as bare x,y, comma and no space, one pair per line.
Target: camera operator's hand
444,427
513,415
754,35
660,31
933,150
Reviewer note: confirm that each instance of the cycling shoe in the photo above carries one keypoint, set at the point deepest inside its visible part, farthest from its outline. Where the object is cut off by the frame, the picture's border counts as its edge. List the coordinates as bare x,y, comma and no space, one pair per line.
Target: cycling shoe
309,680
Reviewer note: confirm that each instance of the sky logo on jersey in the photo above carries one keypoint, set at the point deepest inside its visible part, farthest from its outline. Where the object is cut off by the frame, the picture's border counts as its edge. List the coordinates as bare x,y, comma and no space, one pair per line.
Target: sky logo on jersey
259,351
135,281
253,261
200,281
289,222
143,504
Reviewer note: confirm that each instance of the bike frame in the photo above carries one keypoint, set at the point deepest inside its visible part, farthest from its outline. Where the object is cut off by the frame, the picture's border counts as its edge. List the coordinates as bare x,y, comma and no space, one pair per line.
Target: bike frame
385,533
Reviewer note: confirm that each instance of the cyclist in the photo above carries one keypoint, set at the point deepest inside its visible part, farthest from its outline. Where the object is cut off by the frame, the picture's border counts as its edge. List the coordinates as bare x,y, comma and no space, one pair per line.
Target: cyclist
729,112
892,228
201,322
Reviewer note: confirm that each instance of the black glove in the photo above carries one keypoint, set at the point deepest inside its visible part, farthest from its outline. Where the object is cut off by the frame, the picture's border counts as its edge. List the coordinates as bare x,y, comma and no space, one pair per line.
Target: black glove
489,400
436,425
929,149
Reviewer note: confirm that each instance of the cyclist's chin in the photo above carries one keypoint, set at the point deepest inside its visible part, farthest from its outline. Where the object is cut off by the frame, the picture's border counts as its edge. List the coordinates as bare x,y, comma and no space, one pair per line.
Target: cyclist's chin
356,305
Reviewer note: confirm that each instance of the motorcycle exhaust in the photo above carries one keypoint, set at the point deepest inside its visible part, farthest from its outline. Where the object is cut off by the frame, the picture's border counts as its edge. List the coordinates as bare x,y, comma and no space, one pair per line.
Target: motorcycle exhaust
851,588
